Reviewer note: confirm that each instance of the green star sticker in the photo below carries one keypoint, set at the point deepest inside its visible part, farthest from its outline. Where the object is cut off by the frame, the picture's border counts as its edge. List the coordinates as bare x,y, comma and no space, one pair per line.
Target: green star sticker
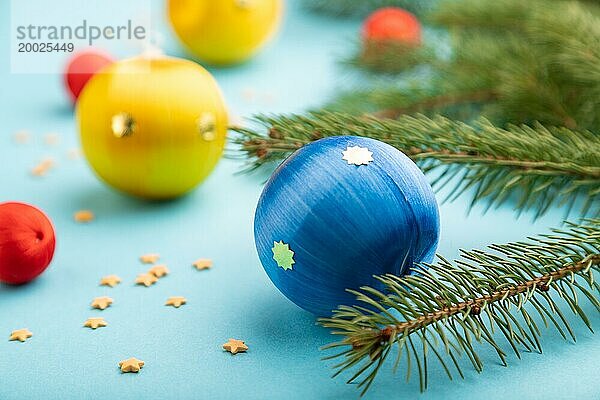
283,255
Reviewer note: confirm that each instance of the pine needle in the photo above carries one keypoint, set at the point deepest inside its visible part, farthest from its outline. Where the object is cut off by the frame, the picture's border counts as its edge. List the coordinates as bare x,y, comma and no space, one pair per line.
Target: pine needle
440,308
541,166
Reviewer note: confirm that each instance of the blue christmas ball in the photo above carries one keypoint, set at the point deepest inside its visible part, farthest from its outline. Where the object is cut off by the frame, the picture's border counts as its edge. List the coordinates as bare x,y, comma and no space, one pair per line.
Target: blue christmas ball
339,211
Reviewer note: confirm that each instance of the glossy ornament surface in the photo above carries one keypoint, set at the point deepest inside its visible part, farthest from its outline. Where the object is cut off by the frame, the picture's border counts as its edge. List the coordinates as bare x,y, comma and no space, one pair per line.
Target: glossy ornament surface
27,243
392,25
153,127
339,211
225,31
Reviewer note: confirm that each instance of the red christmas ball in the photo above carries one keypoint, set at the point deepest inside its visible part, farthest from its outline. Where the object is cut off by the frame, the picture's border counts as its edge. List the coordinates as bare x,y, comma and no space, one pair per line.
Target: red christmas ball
392,25
27,243
80,69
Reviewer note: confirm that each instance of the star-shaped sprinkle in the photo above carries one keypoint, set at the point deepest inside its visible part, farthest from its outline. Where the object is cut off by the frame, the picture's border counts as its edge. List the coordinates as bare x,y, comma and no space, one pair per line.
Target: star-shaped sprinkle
146,279
102,303
74,154
110,280
357,155
149,258
22,137
131,365
83,216
122,125
235,346
176,301
43,167
21,335
202,264
95,323
51,139
283,255
159,271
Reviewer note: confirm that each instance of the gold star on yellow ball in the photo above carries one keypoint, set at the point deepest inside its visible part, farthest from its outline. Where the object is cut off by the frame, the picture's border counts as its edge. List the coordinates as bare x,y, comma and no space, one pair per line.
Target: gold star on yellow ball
159,271
122,125
102,303
176,301
235,346
149,258
95,323
131,365
146,279
110,280
21,335
202,264
357,155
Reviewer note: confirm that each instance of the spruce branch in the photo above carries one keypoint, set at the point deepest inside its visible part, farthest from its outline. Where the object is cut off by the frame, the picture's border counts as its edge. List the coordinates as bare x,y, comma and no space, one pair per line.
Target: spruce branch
441,310
361,8
538,62
542,166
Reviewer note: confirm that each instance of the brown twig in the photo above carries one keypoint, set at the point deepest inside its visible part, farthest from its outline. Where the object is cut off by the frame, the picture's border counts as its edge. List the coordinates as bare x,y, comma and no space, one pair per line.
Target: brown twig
541,283
436,102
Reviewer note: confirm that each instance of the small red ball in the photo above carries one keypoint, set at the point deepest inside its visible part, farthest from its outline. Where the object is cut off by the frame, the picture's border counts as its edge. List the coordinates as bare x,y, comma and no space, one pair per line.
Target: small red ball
27,243
80,69
392,25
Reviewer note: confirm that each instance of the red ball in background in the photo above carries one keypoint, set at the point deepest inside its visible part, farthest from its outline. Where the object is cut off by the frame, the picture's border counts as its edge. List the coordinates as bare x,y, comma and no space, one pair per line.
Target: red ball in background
27,243
81,67
392,25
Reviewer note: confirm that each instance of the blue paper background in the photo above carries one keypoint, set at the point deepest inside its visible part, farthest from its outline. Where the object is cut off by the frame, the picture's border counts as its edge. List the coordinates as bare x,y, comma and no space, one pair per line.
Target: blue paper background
182,348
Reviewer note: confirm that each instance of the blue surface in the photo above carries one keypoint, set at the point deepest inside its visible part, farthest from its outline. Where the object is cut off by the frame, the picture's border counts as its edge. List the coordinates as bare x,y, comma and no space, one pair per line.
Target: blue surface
345,223
182,348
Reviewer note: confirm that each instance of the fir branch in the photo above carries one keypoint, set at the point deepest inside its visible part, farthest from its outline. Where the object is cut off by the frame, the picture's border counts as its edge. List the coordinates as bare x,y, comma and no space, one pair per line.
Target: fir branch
391,58
538,62
444,308
364,7
544,166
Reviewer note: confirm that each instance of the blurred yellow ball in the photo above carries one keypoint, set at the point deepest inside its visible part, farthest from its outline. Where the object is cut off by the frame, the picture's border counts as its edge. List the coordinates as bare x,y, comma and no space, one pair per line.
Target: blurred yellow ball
224,31
152,127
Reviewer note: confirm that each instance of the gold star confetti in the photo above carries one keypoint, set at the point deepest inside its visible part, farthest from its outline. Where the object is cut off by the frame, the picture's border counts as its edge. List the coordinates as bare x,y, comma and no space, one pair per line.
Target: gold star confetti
202,264
122,125
102,303
159,271
283,255
146,279
43,167
131,365
149,258
22,137
51,139
95,323
176,301
83,216
21,335
235,346
110,280
73,154
357,155
248,94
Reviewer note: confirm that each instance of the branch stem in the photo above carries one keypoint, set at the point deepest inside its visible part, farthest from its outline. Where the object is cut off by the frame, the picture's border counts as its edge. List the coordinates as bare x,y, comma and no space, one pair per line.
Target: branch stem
436,102
541,282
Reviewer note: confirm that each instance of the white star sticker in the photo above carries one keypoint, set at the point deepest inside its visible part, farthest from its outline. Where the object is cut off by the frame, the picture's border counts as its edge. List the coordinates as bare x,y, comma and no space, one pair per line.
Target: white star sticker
357,155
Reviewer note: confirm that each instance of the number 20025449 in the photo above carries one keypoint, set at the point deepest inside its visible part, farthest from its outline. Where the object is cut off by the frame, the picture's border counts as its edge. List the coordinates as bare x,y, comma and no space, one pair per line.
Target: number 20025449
27,47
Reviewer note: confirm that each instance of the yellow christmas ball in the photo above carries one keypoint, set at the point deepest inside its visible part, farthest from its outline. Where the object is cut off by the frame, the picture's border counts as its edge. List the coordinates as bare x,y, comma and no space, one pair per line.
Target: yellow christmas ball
224,31
152,127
